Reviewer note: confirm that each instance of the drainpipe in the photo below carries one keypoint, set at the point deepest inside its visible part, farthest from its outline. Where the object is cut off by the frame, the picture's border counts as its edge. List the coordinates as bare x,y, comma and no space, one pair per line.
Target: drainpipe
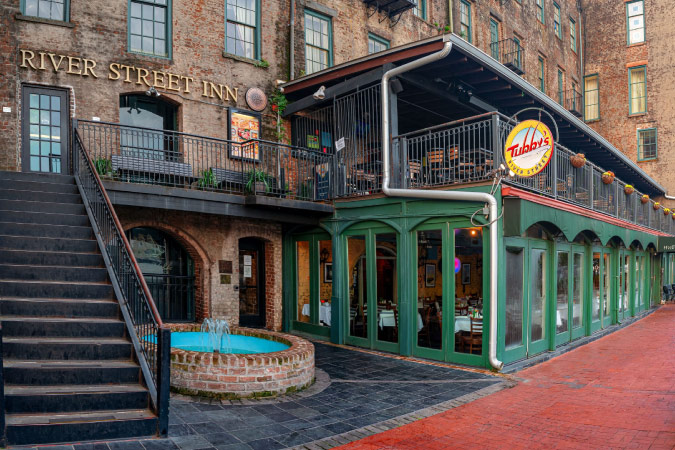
292,39
444,195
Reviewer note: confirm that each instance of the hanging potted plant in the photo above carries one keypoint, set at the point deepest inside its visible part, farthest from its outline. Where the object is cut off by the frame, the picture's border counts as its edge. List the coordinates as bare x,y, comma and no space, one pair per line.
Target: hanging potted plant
644,199
673,216
608,177
578,160
628,189
666,211
656,206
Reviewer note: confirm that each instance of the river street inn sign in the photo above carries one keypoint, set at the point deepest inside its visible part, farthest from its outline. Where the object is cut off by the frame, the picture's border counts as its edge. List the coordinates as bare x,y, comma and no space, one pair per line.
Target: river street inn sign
529,148
84,67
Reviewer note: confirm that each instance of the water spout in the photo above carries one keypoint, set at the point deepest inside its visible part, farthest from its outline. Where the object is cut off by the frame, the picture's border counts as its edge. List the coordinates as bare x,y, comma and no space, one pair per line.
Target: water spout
216,330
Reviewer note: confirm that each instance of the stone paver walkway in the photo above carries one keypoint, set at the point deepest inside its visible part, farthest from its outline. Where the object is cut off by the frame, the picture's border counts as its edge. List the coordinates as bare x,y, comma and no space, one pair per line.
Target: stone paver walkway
617,392
360,390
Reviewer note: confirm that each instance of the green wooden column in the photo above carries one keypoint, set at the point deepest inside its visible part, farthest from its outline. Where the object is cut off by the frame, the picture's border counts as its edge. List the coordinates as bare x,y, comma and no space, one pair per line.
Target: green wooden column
338,300
407,298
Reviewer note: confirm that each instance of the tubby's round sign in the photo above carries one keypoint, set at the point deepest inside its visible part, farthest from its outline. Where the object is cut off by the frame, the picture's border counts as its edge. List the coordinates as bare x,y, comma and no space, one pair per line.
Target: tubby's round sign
529,148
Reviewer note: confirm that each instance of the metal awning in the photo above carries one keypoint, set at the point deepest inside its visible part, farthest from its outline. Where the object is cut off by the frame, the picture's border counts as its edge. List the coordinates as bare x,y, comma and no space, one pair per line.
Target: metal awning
470,80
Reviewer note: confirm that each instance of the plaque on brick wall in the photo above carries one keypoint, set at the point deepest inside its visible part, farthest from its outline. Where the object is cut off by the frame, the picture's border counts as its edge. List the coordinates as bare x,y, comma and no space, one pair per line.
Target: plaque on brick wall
256,99
225,279
224,266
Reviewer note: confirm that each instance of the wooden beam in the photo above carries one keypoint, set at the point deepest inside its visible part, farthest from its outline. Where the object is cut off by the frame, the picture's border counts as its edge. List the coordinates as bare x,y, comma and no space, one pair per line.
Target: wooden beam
501,87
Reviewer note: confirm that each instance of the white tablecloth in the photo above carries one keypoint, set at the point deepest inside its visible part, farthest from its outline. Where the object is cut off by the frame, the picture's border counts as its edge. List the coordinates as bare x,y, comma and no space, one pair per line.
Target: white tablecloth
324,312
463,323
387,319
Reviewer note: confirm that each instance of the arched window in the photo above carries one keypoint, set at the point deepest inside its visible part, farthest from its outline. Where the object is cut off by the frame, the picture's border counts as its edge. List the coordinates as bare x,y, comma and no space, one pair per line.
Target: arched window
169,272
148,114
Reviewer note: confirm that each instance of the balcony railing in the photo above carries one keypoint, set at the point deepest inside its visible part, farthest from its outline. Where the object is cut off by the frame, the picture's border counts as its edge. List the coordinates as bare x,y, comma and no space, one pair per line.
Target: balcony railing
255,167
510,53
463,152
573,102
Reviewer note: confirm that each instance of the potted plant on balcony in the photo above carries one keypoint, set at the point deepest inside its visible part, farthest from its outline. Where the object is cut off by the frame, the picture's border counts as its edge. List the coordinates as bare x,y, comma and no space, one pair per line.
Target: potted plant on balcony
257,181
666,211
608,177
656,206
629,189
208,180
644,199
578,160
673,216
103,167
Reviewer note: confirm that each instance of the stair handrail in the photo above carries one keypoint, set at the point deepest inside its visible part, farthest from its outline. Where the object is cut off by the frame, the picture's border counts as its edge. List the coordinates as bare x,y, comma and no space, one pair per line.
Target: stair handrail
154,353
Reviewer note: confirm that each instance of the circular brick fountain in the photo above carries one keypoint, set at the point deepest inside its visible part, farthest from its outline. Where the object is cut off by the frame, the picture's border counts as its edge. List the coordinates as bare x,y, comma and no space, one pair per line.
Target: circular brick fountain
213,374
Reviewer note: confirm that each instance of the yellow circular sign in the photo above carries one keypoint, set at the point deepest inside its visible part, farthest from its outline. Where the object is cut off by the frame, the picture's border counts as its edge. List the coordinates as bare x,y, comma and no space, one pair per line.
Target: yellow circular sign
529,148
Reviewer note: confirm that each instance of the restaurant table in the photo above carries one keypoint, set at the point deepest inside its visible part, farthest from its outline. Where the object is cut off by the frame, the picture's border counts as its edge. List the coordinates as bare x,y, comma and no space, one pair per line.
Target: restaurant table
388,319
463,323
324,312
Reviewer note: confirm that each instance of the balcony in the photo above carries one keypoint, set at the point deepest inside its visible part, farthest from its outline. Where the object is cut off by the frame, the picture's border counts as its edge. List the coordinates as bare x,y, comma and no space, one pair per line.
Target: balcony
260,173
573,102
510,53
389,8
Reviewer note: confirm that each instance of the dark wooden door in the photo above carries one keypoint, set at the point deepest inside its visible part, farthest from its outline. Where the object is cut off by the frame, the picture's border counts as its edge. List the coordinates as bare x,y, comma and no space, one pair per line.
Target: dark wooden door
251,283
44,130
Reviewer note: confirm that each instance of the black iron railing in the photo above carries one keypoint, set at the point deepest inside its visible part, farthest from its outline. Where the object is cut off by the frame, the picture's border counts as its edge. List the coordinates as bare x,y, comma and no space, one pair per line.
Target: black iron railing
174,296
510,53
253,167
151,339
573,101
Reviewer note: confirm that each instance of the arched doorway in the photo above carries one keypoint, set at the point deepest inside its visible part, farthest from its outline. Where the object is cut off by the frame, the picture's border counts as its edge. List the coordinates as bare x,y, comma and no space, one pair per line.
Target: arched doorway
168,270
148,113
251,282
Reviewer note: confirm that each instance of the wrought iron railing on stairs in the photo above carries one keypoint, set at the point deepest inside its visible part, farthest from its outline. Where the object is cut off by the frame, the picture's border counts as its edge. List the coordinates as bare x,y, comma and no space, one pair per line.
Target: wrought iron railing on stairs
150,337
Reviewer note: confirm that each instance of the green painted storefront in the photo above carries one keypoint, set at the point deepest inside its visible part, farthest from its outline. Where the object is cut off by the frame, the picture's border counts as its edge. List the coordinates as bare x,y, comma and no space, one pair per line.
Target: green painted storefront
562,276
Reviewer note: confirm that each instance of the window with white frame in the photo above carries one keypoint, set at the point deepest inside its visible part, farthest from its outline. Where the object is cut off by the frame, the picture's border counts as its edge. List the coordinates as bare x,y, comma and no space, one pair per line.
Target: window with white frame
635,16
318,51
647,144
241,35
46,9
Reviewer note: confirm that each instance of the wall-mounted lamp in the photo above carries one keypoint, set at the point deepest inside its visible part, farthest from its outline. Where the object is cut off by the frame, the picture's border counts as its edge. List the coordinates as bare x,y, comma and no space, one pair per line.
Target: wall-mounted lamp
325,254
152,92
320,94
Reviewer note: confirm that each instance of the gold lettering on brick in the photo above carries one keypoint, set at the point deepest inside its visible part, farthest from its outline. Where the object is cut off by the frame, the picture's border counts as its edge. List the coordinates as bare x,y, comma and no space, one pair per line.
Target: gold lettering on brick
42,61
127,79
231,94
115,73
187,83
26,59
89,65
173,82
143,77
158,79
56,66
74,66
217,89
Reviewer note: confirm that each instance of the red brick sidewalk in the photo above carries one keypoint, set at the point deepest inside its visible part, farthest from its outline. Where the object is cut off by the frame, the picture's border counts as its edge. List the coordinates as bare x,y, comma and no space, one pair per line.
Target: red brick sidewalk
617,392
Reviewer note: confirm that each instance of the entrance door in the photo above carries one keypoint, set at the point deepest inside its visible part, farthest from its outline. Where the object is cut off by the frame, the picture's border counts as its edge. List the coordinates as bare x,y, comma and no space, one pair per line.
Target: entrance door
538,298
607,287
44,124
251,282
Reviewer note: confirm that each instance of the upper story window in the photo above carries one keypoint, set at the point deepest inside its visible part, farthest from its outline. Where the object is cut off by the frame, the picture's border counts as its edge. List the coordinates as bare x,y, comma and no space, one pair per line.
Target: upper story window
635,16
647,140
420,8
518,49
573,35
494,39
561,87
637,86
149,27
242,33
540,11
591,98
557,27
376,44
46,9
541,75
465,20
318,42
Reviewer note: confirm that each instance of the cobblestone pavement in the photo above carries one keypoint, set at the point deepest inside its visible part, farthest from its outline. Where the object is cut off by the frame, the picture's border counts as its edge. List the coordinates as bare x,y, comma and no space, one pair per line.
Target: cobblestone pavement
356,394
616,392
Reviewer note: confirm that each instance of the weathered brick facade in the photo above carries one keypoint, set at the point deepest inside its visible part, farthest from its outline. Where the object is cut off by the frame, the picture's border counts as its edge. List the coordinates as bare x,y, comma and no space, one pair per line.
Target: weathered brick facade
607,54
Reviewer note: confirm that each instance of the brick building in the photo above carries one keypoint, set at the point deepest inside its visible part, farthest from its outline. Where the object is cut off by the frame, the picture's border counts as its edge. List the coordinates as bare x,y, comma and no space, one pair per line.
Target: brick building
629,81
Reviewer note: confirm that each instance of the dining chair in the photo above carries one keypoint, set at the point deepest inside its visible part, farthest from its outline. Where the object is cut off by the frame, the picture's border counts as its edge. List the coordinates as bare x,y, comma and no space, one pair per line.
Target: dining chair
475,337
414,171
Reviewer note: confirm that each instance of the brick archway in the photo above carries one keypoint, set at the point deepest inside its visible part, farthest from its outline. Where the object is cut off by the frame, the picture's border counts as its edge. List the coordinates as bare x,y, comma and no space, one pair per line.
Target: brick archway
199,257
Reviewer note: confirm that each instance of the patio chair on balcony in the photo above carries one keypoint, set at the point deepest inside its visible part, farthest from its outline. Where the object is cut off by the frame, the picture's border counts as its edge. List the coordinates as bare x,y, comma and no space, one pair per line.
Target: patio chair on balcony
414,172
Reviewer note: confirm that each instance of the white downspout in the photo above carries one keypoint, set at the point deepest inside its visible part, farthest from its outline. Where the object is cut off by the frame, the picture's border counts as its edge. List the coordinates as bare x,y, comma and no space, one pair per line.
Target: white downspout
444,195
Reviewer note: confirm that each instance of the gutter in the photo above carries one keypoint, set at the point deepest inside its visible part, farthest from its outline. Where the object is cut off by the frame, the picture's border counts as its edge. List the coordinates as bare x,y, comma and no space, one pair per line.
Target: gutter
444,195
292,41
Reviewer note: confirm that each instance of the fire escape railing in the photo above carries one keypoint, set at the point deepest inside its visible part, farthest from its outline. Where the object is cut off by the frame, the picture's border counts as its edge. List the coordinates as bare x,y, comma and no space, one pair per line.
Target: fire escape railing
150,337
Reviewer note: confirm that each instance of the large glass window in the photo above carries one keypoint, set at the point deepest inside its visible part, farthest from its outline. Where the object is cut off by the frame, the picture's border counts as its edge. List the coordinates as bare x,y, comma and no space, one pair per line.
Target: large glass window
469,290
635,17
591,98
637,81
538,295
573,35
420,8
626,283
147,113
168,270
561,87
303,286
540,10
606,285
465,20
386,289
45,124
242,28
595,304
578,290
376,44
358,286
542,75
494,39
47,9
562,291
430,288
318,42
557,27
514,297
149,27
647,148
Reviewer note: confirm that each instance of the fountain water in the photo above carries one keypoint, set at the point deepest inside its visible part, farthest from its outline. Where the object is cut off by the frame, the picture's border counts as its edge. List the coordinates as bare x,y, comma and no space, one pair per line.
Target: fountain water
215,330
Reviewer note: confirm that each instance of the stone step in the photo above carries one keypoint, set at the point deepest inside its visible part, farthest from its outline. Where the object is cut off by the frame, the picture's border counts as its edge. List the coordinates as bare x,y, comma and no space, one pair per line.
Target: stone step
46,230
48,178
41,196
45,218
48,244
59,307
29,326
53,273
42,207
58,289
66,348
54,428
48,372
42,258
74,397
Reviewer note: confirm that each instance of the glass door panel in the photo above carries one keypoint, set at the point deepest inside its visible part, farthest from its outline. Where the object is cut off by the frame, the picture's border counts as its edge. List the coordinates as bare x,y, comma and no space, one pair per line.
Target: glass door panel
45,130
358,286
538,300
626,286
562,292
595,297
303,285
577,294
468,295
606,289
515,303
325,276
429,289
386,287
